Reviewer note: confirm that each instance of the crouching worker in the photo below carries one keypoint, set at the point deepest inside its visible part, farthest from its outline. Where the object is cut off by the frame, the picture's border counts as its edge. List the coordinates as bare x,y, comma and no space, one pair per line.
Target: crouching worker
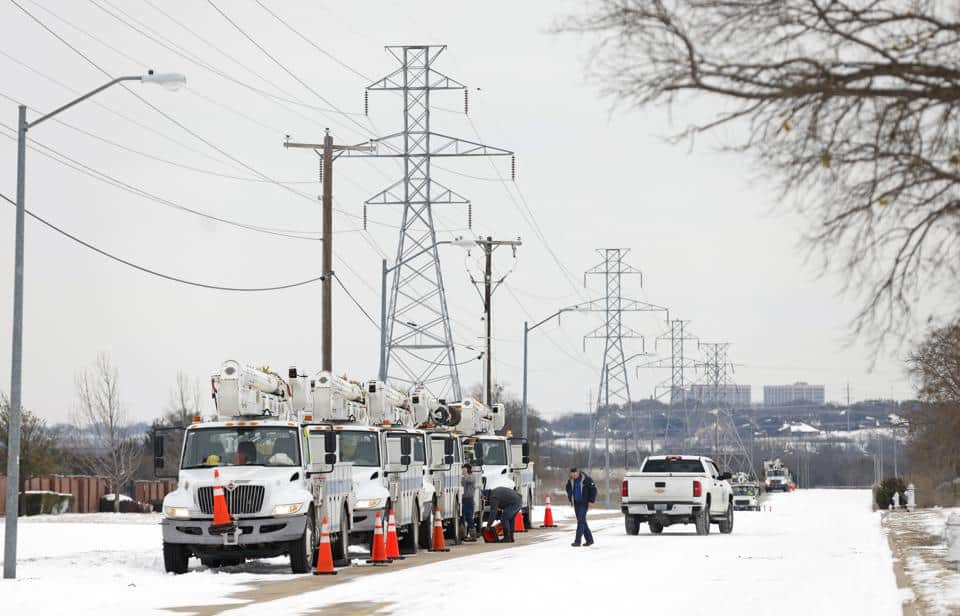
508,501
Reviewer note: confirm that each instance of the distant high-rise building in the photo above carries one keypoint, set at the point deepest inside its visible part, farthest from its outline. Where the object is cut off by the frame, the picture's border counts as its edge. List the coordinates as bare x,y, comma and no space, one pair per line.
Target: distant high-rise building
725,395
798,393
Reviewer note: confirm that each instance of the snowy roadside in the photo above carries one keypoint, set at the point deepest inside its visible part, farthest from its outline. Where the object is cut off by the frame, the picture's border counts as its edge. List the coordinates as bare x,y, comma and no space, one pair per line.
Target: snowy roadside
110,563
918,543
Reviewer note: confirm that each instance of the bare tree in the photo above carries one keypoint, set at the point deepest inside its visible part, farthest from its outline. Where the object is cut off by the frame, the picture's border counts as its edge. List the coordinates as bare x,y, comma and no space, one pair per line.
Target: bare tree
106,444
851,104
185,401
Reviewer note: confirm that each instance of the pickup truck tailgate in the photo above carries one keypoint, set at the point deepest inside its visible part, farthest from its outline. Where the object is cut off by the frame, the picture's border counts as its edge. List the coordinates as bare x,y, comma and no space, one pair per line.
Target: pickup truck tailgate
661,487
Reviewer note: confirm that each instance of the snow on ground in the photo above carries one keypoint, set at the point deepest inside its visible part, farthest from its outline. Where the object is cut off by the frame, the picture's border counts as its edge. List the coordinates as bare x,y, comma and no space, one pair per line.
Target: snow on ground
817,552
920,541
102,563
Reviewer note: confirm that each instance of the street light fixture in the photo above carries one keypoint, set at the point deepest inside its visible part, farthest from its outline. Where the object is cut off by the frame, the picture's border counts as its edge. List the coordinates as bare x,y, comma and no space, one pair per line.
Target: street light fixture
171,81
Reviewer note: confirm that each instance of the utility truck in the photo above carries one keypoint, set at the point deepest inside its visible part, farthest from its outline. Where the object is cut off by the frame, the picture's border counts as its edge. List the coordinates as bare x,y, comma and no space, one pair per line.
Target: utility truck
374,429
279,477
500,461
776,476
670,490
746,493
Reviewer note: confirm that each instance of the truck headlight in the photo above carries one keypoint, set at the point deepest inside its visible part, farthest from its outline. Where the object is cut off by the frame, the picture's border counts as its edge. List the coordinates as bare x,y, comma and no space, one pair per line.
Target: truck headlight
176,512
290,509
373,503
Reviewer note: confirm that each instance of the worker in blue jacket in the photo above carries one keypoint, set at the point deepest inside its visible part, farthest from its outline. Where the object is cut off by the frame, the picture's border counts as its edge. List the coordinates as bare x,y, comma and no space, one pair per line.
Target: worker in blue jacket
581,491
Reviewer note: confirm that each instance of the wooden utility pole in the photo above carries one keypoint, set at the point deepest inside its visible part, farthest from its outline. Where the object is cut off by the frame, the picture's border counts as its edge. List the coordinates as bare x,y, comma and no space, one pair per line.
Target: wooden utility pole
326,152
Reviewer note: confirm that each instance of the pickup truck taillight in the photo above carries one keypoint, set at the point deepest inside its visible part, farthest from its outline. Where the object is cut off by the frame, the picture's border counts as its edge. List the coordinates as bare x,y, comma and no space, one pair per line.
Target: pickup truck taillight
697,489
623,488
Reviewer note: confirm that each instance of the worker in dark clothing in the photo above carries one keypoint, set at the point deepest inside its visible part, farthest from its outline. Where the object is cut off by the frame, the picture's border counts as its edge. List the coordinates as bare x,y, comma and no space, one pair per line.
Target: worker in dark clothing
509,502
581,491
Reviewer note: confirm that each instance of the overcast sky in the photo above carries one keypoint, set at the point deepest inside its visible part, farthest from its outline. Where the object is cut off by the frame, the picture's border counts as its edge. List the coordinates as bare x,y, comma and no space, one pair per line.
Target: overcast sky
701,225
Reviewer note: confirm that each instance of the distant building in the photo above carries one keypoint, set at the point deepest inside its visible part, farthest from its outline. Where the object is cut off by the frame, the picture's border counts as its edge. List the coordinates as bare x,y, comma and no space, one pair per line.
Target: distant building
727,395
798,393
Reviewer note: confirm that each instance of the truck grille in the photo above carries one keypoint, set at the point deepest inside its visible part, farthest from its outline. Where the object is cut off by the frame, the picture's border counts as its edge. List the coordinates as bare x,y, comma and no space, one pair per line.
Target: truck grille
242,499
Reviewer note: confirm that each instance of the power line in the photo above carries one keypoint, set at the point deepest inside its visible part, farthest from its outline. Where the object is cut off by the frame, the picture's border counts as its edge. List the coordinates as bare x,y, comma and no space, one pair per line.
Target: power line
152,272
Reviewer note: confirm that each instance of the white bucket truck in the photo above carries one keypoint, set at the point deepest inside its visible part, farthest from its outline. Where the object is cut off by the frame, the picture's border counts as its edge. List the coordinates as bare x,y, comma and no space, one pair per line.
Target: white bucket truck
279,482
373,428
501,461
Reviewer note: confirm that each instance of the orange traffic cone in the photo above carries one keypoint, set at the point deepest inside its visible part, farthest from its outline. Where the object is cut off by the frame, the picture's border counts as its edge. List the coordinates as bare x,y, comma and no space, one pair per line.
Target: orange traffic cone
324,554
222,522
518,526
438,545
378,550
548,516
393,545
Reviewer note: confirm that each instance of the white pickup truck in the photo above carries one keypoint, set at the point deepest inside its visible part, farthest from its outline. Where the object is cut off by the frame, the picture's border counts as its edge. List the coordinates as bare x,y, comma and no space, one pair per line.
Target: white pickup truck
677,490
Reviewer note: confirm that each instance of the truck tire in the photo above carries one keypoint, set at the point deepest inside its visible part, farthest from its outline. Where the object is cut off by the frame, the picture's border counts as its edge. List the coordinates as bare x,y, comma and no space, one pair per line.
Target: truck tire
656,527
410,543
175,558
528,512
631,524
455,531
426,528
702,521
726,524
303,550
340,542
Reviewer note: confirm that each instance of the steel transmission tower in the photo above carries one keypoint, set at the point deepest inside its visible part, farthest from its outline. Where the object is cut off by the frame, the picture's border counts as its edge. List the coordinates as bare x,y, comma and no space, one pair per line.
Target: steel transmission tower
729,450
614,384
419,345
679,364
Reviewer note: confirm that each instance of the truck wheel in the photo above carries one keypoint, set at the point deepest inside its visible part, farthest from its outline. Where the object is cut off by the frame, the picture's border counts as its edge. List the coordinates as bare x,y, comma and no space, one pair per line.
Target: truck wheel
631,524
726,524
456,533
341,541
656,527
303,549
426,529
175,558
702,521
528,512
411,541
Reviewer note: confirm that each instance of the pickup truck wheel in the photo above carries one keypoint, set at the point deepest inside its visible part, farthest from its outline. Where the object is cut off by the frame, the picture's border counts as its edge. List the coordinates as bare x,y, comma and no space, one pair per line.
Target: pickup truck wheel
631,524
726,524
655,527
302,550
175,558
411,542
702,521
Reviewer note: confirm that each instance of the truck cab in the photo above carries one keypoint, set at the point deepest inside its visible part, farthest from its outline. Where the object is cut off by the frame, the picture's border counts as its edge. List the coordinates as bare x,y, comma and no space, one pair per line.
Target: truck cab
385,476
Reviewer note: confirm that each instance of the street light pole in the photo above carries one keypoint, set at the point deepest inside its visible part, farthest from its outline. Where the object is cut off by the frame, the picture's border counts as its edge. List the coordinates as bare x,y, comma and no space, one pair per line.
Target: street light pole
167,80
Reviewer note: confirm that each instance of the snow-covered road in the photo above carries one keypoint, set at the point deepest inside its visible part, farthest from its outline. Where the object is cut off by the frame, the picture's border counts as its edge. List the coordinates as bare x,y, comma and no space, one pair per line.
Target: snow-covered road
817,552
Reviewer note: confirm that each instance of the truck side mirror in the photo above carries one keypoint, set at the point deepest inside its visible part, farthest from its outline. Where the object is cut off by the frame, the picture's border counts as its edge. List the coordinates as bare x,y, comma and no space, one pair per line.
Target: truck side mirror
525,455
330,442
330,458
406,448
158,447
725,476
448,459
405,459
448,449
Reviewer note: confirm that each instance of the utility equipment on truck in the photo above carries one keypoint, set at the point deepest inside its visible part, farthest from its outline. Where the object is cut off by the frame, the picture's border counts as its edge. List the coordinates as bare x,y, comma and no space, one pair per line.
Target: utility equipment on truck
776,476
671,490
278,481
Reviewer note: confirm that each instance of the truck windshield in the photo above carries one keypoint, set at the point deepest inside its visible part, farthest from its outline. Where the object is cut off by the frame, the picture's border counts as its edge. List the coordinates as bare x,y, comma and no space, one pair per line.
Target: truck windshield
775,473
744,490
491,452
673,466
361,448
246,446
